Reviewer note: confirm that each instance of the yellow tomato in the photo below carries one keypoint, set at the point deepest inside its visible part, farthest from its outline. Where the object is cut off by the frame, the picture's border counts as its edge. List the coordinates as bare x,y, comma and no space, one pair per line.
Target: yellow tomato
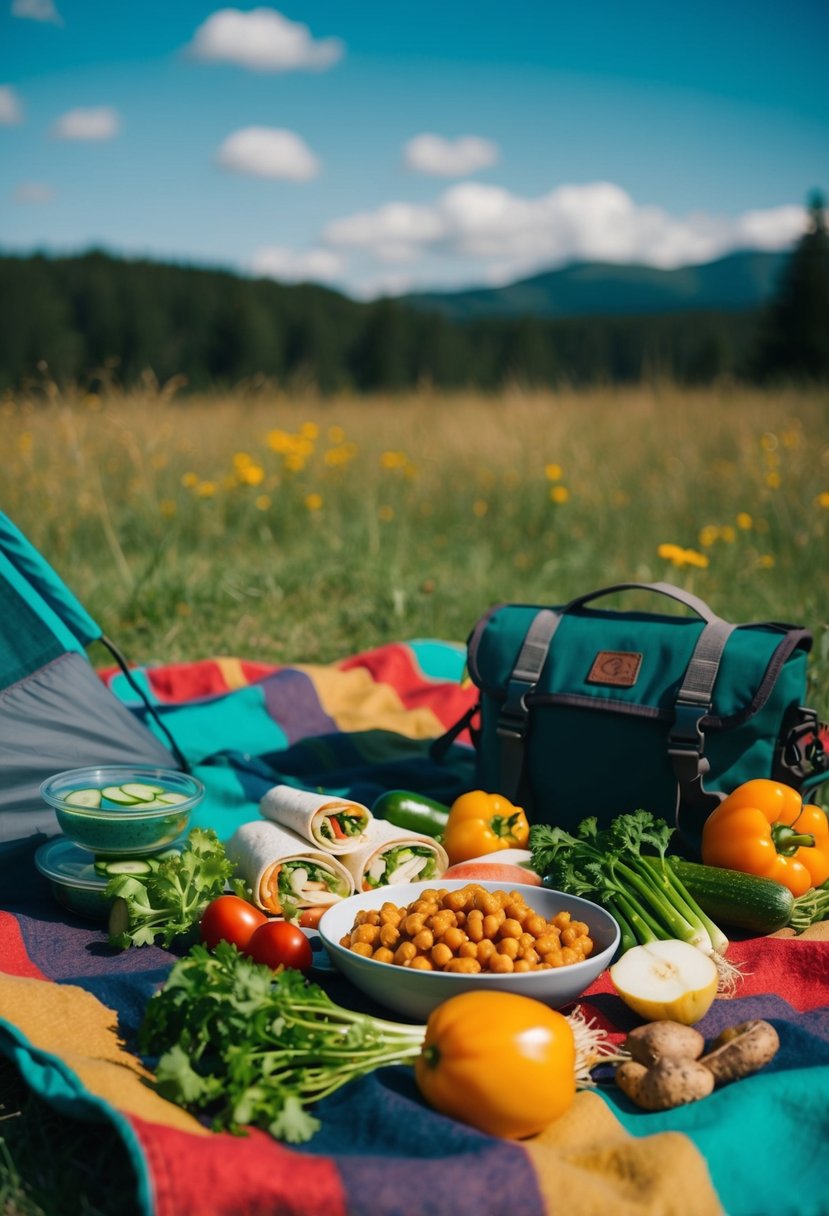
500,1062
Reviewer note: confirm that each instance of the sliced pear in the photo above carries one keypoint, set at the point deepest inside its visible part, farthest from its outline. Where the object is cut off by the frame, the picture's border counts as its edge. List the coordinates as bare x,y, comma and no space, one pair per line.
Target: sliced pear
666,980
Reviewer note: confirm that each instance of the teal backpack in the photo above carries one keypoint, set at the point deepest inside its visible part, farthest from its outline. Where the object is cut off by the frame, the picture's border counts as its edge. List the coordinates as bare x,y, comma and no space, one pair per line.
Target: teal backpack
585,710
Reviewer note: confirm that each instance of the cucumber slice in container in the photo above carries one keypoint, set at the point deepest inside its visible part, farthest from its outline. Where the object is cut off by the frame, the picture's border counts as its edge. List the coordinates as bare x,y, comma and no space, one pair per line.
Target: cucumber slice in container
141,792
114,793
134,866
171,798
88,797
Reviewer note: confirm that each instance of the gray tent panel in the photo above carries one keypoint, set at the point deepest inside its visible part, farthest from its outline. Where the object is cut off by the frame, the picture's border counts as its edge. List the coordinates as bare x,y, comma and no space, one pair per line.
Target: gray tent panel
60,717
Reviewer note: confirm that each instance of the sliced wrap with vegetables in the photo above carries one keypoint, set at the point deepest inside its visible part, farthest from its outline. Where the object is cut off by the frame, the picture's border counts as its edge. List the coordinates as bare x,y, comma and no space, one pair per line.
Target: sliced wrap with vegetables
335,825
283,871
395,855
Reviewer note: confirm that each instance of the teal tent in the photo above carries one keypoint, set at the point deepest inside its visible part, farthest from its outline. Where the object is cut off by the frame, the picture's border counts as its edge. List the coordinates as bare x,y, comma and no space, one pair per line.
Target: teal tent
55,713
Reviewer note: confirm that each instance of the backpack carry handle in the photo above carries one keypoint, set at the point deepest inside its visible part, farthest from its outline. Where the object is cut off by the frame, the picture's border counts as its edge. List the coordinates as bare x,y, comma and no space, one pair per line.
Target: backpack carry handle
668,589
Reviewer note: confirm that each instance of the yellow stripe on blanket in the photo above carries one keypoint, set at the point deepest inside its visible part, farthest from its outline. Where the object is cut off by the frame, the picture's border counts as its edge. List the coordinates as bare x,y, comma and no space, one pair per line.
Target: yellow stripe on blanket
70,1023
357,702
588,1165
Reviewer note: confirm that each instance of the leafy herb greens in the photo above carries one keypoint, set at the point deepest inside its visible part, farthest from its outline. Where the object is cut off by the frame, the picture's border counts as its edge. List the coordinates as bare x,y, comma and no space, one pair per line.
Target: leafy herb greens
624,867
250,1046
169,901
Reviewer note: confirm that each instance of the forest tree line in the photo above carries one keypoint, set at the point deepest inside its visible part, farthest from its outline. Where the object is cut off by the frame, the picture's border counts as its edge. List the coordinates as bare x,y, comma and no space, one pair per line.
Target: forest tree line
85,318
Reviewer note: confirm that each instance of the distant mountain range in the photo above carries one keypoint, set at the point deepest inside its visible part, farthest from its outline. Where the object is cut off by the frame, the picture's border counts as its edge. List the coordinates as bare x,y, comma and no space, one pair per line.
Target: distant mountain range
739,282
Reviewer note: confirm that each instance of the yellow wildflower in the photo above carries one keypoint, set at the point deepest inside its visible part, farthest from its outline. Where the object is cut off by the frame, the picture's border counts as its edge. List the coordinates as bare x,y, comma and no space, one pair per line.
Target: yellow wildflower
744,521
773,479
553,472
728,534
822,499
313,501
336,434
480,507
167,507
385,514
190,480
309,430
279,441
559,494
393,460
262,502
765,561
708,535
206,489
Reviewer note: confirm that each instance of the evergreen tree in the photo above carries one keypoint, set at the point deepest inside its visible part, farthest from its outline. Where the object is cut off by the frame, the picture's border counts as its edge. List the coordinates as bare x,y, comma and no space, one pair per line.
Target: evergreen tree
794,338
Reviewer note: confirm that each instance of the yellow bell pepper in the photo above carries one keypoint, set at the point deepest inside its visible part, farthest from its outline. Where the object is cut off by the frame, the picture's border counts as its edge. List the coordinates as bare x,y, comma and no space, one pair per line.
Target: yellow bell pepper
765,828
481,823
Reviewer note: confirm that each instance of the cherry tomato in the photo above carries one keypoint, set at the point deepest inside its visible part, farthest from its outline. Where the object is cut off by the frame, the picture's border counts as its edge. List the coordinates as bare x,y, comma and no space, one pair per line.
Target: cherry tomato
230,919
278,943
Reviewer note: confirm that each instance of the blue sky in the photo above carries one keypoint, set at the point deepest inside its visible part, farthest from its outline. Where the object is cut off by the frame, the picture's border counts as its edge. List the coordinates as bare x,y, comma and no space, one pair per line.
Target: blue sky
381,147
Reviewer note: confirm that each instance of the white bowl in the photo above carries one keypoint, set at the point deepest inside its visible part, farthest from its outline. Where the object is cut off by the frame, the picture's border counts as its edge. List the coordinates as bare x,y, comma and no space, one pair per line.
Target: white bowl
417,993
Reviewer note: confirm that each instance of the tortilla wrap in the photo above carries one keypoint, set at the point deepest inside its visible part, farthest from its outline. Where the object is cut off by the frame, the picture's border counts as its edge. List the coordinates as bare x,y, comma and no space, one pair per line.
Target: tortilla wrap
261,849
383,838
306,813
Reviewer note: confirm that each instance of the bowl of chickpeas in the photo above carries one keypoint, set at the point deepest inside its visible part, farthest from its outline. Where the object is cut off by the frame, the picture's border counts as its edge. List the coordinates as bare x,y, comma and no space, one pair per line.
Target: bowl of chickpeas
411,946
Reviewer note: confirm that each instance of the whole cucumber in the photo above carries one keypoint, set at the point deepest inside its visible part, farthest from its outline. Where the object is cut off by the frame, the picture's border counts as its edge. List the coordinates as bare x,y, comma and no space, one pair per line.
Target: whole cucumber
415,812
729,897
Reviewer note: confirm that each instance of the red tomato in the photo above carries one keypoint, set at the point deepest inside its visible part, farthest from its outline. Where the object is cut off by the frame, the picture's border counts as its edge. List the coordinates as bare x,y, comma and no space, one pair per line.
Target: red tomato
309,918
230,919
279,943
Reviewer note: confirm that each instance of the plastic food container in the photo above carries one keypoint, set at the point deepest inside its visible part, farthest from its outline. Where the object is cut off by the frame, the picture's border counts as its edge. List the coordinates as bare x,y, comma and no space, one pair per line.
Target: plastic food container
123,810
75,883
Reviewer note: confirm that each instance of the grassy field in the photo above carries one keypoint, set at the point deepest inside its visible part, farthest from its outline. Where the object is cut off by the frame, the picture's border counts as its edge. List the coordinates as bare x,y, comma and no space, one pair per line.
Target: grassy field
304,529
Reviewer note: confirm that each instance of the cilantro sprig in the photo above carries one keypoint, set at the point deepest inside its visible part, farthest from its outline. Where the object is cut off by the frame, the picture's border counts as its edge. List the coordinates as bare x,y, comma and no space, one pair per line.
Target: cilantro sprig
249,1046
168,902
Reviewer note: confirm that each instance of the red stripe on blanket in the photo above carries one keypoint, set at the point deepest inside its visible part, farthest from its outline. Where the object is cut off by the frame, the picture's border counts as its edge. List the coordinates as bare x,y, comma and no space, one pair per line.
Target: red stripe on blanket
395,665
223,1175
14,959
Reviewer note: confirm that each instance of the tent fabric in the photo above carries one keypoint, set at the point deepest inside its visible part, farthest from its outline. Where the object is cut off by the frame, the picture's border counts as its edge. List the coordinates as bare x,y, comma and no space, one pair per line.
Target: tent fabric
54,711
70,1005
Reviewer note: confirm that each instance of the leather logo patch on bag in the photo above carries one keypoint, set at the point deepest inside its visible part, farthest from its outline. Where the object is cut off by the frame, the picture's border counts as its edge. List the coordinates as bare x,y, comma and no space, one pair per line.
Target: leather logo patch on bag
617,667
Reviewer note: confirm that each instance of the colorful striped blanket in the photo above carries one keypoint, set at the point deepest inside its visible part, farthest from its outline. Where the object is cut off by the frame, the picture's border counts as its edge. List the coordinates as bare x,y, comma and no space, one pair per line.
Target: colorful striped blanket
70,1005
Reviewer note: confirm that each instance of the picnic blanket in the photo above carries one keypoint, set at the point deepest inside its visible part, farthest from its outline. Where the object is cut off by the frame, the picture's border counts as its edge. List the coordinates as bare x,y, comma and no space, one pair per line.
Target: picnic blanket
70,1005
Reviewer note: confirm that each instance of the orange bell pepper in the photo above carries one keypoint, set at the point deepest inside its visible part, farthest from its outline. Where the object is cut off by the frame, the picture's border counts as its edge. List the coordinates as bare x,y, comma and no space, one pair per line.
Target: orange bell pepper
481,823
765,828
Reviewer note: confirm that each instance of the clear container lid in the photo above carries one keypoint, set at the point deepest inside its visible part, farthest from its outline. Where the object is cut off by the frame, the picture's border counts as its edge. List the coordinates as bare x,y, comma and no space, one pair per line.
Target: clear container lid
59,860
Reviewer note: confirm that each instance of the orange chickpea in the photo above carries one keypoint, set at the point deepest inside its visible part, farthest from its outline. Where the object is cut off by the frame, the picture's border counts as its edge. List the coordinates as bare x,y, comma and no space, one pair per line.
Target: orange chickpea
487,902
535,924
561,920
469,949
361,948
421,963
492,924
424,940
389,935
475,927
366,933
404,953
508,946
454,938
467,966
521,964
500,964
531,956
511,928
413,923
485,950
547,943
383,955
441,955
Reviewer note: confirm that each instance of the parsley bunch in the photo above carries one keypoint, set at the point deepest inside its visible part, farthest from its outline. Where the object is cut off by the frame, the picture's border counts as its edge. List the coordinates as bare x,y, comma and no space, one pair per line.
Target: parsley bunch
169,901
251,1046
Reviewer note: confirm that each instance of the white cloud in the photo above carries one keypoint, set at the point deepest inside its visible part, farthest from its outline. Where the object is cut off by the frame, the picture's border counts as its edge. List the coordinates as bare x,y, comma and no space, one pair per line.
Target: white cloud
37,10
293,266
268,152
11,107
449,158
505,235
263,41
96,123
33,193
395,232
